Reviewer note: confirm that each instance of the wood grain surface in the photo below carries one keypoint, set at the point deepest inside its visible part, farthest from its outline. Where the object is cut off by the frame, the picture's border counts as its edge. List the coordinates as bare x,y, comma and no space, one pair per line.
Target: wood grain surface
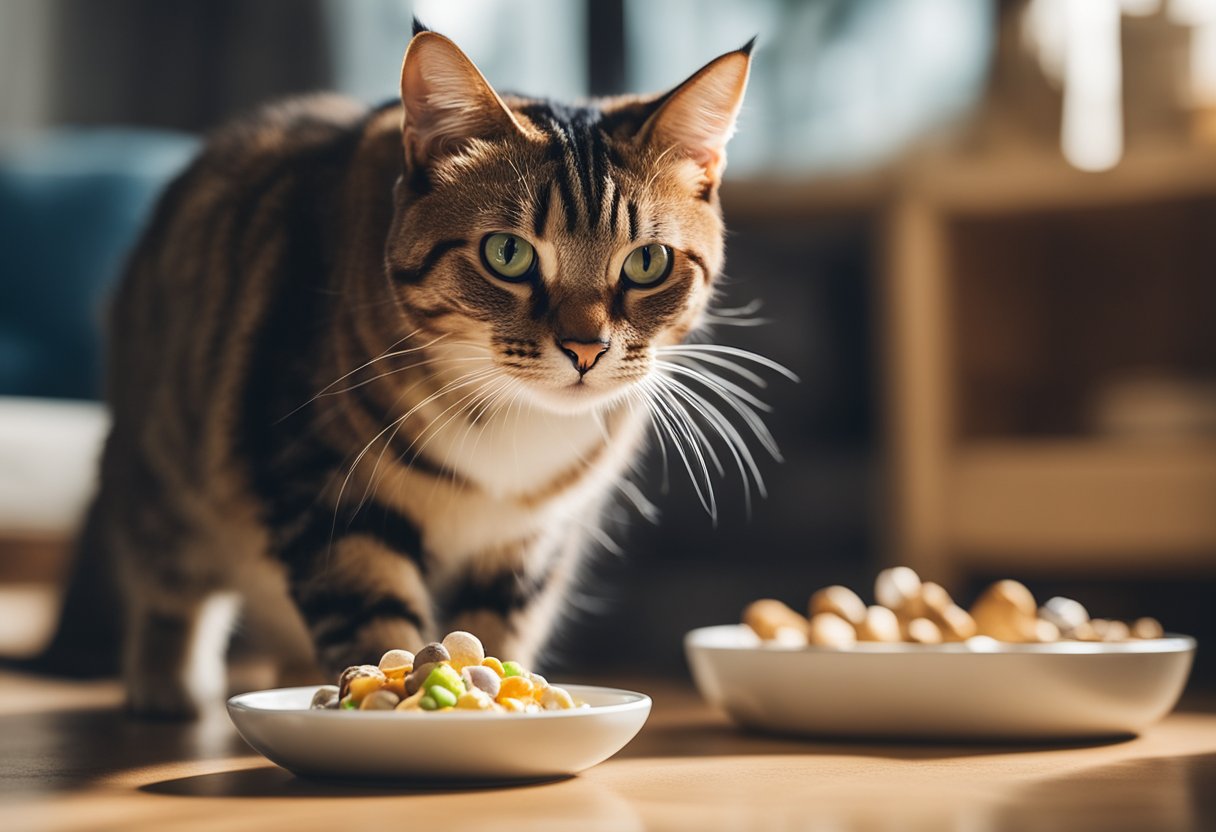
70,760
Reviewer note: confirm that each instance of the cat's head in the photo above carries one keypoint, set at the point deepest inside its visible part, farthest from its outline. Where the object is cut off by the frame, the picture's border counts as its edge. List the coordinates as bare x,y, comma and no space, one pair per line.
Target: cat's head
563,244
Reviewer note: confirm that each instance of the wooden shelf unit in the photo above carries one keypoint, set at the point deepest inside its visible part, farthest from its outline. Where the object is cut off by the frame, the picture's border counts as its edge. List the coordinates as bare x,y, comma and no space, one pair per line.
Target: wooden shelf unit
984,476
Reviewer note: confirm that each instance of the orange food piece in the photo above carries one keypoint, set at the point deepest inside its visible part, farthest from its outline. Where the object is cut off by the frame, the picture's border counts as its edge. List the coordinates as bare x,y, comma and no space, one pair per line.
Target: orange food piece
363,685
515,687
494,664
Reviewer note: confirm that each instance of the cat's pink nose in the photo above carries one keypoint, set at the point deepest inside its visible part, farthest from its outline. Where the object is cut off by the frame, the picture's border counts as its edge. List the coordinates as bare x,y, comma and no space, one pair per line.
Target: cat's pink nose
583,354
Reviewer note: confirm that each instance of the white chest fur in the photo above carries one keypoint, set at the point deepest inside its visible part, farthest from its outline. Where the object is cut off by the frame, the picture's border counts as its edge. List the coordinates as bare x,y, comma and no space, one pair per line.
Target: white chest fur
530,471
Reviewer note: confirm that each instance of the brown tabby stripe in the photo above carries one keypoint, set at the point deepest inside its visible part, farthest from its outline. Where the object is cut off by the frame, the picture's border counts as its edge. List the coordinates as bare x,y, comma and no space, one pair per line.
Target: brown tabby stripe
540,213
312,543
344,614
700,263
419,273
278,377
615,211
504,593
579,146
632,208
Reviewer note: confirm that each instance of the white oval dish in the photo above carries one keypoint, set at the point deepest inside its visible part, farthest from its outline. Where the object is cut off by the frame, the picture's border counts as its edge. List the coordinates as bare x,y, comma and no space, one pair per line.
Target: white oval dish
452,746
1065,690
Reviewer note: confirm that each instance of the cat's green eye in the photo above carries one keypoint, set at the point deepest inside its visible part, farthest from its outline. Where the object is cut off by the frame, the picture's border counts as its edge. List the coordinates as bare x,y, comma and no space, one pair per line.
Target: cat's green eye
509,256
647,265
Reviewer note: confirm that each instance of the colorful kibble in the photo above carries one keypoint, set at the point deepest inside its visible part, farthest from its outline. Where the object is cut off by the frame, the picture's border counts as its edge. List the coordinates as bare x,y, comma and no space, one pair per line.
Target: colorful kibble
433,652
482,678
380,700
443,697
359,671
454,674
326,698
396,662
464,649
516,687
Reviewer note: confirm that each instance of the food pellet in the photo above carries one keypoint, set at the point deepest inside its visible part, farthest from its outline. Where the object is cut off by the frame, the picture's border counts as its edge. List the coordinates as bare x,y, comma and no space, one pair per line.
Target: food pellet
1007,612
454,674
515,687
1045,632
1147,628
1116,631
898,589
827,629
482,678
955,623
768,615
432,653
326,698
463,648
358,671
880,624
396,662
414,681
840,600
923,631
924,612
1068,615
380,700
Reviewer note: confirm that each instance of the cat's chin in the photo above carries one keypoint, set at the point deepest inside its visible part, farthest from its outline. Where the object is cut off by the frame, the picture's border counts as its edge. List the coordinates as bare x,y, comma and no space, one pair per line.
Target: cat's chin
576,399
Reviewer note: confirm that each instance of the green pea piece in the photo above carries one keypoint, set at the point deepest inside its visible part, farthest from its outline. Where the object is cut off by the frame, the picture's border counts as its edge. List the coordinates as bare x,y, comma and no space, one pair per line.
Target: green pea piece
348,705
428,704
444,676
512,669
443,697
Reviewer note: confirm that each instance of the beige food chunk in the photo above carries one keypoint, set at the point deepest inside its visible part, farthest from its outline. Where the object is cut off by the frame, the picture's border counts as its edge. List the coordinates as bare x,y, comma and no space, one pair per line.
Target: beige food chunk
840,600
1068,615
898,589
954,622
827,629
768,615
923,631
1006,611
880,624
1147,628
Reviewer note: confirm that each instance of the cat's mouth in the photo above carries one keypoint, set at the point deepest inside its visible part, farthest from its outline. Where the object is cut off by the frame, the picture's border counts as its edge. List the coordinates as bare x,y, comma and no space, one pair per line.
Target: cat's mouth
578,396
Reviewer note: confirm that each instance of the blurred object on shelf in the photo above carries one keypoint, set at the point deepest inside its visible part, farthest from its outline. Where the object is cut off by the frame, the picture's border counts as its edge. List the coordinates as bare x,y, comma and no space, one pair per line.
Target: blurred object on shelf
1156,405
1103,78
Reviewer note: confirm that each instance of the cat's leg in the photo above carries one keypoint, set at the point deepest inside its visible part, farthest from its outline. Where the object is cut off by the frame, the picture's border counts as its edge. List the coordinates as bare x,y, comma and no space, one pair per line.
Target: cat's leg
360,597
512,601
180,609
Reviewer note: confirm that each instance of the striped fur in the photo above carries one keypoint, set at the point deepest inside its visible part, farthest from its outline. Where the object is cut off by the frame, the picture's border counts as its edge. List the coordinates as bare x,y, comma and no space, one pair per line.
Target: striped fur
318,388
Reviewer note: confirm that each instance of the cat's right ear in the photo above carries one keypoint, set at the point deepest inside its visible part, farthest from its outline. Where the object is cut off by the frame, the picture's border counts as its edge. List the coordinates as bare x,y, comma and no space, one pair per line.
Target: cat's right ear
447,101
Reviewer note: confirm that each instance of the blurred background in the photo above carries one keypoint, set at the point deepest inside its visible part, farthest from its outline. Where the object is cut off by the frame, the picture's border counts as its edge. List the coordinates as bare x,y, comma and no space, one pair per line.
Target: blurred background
982,233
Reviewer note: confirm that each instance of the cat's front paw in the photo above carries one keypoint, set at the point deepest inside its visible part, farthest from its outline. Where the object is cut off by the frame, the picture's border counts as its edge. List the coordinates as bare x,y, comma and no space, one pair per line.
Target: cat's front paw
153,695
162,701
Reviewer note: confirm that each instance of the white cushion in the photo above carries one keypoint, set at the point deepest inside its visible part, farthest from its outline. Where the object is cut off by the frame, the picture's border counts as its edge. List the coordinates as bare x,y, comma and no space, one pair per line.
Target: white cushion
49,450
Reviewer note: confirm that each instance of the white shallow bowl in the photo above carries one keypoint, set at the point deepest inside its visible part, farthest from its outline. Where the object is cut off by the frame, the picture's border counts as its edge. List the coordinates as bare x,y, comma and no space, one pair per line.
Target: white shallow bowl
1066,690
453,746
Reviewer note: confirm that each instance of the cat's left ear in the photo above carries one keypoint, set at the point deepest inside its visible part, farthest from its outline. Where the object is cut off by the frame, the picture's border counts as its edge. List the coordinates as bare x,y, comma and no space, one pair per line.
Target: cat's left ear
698,117
447,100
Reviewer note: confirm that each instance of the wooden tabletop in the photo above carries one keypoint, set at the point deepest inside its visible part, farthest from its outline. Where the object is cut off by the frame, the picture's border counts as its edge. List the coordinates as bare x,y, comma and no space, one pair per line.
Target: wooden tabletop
70,760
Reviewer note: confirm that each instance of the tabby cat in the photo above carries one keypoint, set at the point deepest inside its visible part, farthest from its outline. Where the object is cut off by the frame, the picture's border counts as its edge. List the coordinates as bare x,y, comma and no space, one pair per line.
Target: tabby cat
391,363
